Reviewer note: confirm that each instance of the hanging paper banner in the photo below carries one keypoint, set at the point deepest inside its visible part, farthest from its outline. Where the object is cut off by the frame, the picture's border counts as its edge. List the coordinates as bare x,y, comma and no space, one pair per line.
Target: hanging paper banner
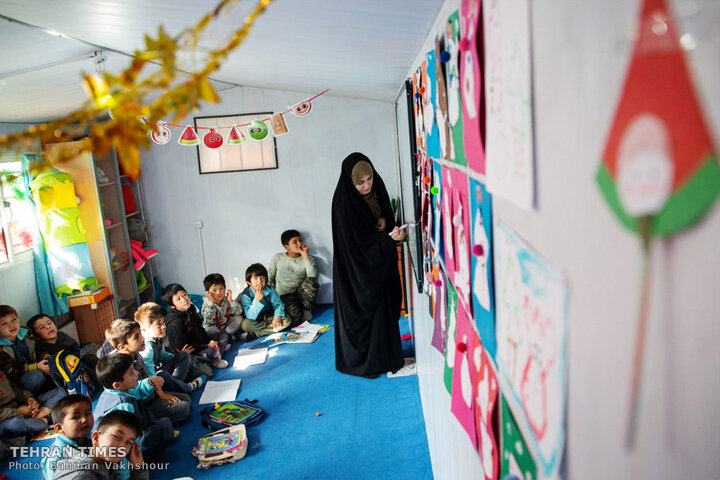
462,402
485,392
278,125
258,130
482,265
161,133
516,459
531,330
236,136
471,85
213,139
189,137
301,109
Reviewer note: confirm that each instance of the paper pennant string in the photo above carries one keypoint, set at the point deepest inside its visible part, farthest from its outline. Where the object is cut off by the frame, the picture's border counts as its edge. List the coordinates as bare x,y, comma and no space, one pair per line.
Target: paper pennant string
236,136
161,134
258,130
278,125
301,109
189,137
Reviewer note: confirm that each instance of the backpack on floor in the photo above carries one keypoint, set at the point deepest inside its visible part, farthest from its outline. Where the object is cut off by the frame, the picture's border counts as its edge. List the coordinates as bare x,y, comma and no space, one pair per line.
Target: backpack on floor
68,367
224,446
228,414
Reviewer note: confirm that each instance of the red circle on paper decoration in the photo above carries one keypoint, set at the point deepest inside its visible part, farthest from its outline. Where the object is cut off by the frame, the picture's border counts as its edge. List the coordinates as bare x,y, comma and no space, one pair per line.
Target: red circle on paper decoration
160,134
461,347
478,250
213,139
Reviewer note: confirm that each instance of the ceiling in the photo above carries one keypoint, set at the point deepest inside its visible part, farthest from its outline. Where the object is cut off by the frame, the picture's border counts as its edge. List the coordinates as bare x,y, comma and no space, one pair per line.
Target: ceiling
358,49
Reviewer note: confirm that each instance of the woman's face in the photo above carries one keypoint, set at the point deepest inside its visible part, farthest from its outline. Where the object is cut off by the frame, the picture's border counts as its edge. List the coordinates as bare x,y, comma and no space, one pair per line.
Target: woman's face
364,186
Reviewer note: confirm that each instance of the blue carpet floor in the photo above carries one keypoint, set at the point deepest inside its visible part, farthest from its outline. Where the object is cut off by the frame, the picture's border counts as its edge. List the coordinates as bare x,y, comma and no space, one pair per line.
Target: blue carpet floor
367,429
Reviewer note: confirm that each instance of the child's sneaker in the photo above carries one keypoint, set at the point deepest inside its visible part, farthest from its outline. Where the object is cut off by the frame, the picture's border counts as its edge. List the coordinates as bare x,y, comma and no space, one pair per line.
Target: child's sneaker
220,363
197,383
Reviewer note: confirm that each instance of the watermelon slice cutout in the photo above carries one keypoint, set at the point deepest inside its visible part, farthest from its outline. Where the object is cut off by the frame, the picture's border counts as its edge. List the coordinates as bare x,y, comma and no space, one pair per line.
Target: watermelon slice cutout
189,137
236,137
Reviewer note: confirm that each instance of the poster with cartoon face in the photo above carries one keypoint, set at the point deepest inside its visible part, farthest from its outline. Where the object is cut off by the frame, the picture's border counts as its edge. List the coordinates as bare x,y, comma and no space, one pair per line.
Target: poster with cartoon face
481,264
531,334
452,74
471,85
485,391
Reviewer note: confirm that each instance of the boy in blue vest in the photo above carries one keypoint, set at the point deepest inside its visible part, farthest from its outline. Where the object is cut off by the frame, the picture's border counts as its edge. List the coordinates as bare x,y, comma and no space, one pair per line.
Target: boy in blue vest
123,392
17,355
264,311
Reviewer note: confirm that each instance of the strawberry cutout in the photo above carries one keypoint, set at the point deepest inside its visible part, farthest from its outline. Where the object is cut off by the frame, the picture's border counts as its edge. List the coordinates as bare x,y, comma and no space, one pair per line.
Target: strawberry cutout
189,137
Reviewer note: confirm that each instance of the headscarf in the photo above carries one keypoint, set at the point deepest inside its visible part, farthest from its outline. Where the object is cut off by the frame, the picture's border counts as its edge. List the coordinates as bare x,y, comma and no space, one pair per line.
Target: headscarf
361,170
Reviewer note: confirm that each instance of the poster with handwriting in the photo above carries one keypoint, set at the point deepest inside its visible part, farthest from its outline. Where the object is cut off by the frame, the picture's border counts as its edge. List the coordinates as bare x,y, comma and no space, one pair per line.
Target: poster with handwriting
509,151
531,334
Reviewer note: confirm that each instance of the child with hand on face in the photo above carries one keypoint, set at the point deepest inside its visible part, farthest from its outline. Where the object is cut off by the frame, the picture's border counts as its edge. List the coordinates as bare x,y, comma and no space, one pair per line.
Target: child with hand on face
220,313
114,455
17,354
294,275
185,331
264,311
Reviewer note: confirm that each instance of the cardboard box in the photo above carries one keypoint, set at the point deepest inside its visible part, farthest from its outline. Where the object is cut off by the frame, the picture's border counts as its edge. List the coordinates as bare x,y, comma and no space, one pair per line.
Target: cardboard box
88,297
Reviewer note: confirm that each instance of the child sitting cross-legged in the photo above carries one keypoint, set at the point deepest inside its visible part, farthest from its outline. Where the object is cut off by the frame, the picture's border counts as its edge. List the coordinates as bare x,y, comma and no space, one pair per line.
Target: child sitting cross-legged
175,369
220,313
123,391
185,330
126,336
114,453
264,311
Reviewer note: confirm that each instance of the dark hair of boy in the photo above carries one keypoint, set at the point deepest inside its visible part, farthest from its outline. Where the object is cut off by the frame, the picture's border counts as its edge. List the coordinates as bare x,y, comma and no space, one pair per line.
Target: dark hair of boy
61,407
171,290
6,310
288,235
31,322
149,311
120,330
121,417
112,368
213,279
256,269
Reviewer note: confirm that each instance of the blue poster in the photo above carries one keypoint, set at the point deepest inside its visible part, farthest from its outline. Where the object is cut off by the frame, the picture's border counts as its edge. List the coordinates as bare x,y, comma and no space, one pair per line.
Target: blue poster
481,264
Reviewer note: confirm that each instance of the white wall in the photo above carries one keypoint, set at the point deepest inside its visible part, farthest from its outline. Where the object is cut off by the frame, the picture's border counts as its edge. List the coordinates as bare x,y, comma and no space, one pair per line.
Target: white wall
581,53
244,213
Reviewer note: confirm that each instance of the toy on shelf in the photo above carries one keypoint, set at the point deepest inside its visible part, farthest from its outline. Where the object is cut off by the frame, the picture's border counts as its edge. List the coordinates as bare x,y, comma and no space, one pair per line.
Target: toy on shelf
140,255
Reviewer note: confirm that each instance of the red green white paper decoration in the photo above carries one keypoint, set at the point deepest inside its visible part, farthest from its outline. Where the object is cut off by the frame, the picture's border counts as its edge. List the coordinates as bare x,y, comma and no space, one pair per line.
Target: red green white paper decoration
189,137
236,137
213,139
258,130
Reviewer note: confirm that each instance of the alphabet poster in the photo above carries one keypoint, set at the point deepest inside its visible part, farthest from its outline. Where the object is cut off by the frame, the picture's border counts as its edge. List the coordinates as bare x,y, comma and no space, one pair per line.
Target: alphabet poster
516,458
481,264
531,344
509,147
462,402
452,304
471,84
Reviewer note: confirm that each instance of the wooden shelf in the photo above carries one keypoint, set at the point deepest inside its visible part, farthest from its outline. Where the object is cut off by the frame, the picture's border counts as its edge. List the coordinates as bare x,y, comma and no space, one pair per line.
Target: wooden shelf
131,214
106,184
123,266
110,227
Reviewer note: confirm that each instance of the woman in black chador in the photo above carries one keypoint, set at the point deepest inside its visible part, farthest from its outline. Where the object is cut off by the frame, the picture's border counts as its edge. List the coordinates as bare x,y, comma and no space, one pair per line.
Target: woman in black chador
366,283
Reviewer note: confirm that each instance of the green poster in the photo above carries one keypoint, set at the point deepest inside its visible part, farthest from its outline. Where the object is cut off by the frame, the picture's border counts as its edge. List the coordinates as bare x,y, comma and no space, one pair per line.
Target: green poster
515,457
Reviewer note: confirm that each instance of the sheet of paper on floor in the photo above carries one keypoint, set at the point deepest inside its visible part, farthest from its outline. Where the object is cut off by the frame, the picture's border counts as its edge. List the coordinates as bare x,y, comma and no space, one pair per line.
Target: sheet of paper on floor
250,356
220,391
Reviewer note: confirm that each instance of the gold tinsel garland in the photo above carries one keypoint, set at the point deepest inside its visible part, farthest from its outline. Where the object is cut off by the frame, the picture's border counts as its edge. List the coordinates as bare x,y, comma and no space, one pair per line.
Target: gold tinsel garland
110,118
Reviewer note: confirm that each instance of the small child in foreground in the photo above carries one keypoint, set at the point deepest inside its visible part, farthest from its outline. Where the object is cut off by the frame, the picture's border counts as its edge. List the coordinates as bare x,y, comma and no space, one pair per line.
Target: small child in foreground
73,419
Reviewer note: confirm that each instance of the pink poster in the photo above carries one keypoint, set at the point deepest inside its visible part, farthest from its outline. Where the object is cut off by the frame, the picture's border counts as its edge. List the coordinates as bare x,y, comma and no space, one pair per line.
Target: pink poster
461,233
463,401
471,84
485,393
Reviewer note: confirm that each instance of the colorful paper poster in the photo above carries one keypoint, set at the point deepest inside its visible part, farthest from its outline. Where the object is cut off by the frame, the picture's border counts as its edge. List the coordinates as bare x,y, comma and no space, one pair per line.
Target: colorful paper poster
441,107
659,161
515,458
430,98
437,210
485,392
418,103
452,304
531,334
471,84
461,235
462,402
481,264
509,149
452,75
446,208
425,176
440,311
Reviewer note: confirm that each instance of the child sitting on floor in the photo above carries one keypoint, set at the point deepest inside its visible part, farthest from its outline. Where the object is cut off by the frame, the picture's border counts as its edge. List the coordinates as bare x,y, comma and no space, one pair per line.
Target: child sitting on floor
112,443
175,369
73,420
126,337
17,355
185,330
220,313
294,275
264,311
123,392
